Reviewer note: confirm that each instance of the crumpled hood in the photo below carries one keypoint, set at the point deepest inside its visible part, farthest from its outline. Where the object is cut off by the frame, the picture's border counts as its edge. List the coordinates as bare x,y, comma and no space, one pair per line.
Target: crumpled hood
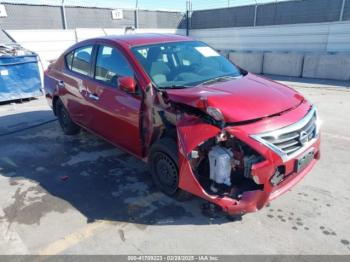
248,98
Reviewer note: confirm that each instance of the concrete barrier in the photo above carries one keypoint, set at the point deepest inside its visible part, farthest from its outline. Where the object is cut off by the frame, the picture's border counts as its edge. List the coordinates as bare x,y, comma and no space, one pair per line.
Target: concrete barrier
252,62
285,64
327,66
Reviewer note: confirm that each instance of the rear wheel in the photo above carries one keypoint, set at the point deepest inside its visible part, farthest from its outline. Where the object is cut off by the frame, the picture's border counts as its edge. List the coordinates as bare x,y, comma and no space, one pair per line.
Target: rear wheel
163,162
66,123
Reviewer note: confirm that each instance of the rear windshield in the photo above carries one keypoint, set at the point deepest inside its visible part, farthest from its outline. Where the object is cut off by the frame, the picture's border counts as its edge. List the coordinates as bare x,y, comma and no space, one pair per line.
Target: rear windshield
183,63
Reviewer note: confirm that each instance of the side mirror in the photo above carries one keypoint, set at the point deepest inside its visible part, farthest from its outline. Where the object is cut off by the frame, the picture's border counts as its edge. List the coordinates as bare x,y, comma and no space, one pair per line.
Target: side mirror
127,84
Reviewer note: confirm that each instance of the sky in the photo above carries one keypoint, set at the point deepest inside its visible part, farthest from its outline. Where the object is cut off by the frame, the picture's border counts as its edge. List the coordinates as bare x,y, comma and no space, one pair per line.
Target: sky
149,4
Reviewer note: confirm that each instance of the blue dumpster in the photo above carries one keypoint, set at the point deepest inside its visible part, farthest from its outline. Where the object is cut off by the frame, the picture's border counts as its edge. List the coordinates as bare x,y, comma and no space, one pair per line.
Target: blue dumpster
19,77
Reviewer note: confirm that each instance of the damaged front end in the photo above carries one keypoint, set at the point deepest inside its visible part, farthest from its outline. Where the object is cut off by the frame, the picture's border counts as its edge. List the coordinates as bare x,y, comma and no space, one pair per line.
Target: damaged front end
216,166
224,165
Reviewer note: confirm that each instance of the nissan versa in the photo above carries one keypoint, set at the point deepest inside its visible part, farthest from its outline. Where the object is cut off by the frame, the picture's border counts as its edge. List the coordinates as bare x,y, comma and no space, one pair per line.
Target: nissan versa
204,126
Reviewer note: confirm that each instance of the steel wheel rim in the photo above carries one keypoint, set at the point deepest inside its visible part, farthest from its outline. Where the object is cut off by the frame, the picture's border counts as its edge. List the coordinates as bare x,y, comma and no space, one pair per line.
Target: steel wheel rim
64,119
166,172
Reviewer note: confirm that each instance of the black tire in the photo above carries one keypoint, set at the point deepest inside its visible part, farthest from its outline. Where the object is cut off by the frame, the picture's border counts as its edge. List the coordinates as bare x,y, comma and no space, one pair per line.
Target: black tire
163,164
66,123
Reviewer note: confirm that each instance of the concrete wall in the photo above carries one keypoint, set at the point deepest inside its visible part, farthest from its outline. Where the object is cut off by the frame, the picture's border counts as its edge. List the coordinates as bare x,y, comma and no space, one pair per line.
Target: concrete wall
49,44
224,53
4,38
338,38
285,64
320,37
307,65
252,62
284,47
327,66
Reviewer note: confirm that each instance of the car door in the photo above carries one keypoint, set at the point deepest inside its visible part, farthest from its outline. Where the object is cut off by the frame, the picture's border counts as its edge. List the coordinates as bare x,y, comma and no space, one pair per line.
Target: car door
115,113
73,82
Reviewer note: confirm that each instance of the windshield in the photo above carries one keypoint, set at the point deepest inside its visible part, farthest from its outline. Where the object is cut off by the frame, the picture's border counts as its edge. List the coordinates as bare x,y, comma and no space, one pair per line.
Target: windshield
183,64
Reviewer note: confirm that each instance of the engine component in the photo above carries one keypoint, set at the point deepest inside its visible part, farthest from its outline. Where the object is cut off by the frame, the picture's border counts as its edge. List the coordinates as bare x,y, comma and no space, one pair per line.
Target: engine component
194,154
220,159
248,162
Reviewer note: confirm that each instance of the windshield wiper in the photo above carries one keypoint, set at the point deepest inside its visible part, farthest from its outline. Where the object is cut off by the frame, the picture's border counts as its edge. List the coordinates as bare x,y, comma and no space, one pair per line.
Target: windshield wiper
218,79
175,87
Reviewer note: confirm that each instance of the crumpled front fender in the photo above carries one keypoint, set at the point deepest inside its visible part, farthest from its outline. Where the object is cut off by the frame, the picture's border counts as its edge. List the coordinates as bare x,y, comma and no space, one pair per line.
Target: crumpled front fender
191,132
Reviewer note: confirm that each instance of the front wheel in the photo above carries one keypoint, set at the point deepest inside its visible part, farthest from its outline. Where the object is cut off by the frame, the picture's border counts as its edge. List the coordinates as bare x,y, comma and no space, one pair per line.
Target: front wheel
163,163
66,123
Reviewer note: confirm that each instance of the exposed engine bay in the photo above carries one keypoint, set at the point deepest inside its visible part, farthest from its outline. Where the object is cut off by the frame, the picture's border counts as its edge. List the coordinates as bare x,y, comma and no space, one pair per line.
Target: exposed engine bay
223,165
219,166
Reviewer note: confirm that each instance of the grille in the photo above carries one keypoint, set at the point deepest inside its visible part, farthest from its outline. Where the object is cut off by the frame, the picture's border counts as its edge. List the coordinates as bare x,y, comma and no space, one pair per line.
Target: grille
292,141
289,140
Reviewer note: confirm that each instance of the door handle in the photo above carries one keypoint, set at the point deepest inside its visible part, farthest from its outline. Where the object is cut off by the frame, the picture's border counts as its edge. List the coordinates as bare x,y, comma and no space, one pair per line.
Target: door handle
93,97
61,84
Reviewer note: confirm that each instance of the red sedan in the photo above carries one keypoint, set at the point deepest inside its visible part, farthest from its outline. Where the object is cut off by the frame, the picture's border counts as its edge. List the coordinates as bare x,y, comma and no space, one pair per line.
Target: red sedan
204,126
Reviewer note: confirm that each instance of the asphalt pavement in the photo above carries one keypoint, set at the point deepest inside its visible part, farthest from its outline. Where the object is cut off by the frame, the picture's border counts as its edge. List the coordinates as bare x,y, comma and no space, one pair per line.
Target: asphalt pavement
80,195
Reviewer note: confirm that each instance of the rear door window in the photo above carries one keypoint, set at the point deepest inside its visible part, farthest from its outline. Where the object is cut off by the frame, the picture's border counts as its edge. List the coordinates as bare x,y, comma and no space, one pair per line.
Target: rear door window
82,60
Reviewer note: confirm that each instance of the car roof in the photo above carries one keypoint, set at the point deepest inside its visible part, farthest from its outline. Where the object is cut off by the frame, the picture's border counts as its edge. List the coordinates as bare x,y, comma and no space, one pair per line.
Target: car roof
145,39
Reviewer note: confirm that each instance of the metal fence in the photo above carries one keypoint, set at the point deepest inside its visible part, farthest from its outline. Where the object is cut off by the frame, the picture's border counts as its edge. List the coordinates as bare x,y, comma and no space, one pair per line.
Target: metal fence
261,13
273,13
25,16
